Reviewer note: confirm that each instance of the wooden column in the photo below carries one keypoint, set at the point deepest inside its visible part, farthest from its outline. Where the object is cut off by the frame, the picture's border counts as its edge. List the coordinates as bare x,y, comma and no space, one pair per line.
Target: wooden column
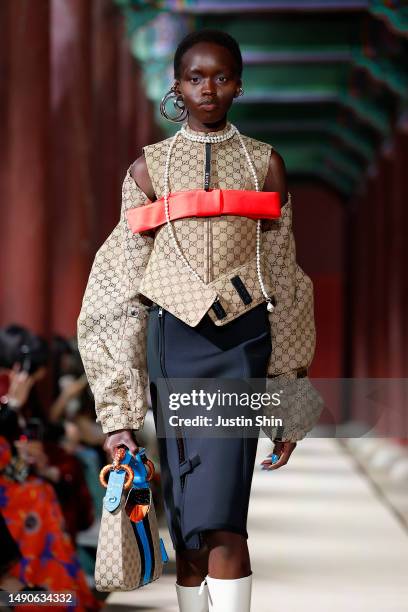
72,216
107,171
4,139
398,329
25,256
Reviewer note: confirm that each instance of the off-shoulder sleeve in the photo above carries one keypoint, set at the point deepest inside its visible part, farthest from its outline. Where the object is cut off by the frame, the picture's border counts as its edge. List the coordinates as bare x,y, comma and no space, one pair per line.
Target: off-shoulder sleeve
112,323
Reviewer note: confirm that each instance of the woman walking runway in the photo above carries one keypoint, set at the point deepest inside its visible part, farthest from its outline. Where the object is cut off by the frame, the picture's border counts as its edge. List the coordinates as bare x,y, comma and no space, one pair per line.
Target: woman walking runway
192,295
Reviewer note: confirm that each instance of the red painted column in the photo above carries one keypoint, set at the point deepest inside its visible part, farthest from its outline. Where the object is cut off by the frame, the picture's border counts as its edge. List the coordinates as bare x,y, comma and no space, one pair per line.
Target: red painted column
396,268
369,283
377,272
403,197
25,256
399,277
72,216
107,32
136,112
359,301
4,149
128,103
368,271
379,321
385,234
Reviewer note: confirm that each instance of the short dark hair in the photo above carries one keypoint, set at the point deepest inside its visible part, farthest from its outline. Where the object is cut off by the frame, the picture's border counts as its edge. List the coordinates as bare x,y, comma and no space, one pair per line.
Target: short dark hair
215,36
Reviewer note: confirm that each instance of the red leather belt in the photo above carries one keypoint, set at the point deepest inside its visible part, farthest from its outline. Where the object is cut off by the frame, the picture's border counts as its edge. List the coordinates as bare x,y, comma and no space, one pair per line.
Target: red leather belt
202,203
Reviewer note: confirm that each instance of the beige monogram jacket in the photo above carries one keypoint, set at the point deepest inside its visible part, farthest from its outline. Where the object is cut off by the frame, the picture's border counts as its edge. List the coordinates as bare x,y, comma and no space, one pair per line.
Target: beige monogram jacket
130,271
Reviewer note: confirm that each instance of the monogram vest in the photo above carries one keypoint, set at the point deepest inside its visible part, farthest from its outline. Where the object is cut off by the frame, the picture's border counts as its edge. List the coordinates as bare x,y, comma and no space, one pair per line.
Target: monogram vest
221,249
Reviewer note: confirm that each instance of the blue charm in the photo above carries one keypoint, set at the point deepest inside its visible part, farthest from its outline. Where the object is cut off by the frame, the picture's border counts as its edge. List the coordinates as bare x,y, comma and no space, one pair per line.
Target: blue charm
164,555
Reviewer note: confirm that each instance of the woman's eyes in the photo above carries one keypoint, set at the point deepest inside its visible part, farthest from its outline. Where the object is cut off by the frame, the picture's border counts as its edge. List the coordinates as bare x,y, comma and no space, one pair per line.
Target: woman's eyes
196,79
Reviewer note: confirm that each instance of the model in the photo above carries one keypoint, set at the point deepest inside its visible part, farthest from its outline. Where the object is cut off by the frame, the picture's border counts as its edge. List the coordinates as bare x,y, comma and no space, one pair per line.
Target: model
199,280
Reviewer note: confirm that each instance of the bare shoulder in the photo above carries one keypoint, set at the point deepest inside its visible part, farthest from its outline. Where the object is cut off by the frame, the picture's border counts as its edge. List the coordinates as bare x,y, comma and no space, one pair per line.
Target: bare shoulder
276,178
140,174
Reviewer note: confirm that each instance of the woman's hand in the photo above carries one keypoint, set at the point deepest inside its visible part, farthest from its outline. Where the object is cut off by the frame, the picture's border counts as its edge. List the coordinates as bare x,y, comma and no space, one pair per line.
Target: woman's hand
74,388
284,450
32,453
20,386
116,438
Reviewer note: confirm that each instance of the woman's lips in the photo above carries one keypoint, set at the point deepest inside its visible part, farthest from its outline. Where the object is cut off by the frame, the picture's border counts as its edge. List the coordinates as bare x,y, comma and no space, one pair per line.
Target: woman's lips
208,105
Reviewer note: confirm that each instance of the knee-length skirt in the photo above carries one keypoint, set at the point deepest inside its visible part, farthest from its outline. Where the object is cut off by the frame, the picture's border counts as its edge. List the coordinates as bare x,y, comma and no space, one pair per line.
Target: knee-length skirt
206,481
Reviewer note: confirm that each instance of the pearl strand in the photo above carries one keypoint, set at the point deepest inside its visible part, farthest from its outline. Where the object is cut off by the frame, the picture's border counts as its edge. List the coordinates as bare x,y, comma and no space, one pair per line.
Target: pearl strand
203,138
209,137
269,305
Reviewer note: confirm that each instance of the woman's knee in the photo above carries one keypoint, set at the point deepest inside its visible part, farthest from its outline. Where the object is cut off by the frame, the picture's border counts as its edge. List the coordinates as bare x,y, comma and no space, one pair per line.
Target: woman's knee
229,541
192,563
228,553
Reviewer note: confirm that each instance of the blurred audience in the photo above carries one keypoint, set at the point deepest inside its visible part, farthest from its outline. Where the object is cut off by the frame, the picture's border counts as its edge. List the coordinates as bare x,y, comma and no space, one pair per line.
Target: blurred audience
41,471
51,453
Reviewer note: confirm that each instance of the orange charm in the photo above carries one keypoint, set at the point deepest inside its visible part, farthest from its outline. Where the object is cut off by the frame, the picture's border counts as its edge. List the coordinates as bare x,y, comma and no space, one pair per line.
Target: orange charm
138,513
150,469
116,465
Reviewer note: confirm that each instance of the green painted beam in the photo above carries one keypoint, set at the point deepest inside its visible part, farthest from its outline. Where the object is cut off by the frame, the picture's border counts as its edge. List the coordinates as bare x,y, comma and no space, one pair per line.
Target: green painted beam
249,6
384,71
367,112
394,16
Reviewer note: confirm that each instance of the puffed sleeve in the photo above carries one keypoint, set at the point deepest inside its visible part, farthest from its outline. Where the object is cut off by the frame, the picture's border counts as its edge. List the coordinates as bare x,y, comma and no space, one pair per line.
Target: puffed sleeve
112,324
293,334
296,408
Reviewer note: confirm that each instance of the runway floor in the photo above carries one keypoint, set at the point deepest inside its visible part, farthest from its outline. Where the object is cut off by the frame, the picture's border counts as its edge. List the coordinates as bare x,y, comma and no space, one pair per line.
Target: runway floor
322,537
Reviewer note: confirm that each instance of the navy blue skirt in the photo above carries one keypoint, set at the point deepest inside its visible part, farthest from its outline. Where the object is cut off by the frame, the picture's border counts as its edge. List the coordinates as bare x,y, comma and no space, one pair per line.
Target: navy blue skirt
206,482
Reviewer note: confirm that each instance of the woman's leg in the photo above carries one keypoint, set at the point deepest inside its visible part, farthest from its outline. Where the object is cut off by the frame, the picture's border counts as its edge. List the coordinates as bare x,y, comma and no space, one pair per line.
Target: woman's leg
225,556
228,554
229,579
192,566
192,591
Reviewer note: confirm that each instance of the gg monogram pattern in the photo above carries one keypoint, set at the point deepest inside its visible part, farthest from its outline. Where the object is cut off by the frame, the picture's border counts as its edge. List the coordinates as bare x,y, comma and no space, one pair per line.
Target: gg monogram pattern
111,327
292,320
118,565
229,168
132,269
216,247
300,406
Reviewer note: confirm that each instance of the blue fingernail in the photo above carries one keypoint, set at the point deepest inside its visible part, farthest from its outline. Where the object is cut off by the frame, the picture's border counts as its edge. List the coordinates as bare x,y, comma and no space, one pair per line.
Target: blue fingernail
274,458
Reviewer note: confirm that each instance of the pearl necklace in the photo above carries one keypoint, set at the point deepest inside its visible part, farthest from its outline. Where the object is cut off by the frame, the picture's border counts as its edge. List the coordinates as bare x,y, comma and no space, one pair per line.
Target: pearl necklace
213,138
209,137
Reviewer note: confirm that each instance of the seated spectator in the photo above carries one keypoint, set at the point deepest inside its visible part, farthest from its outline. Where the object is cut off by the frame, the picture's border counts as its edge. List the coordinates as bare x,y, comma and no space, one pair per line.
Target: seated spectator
23,357
35,521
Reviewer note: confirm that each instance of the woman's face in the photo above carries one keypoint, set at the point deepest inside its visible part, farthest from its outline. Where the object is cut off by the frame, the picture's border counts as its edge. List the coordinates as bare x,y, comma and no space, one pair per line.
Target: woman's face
208,82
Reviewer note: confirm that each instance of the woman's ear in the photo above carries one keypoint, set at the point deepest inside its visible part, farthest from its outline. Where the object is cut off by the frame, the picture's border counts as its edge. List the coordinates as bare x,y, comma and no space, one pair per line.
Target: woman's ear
239,86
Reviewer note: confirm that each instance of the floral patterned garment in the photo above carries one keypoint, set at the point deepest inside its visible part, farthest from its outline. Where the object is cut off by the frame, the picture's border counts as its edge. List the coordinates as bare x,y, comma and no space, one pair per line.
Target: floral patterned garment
34,519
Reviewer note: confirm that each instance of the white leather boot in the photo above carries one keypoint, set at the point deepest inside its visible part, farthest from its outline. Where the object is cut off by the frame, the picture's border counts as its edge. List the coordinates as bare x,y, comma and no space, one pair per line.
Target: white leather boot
229,595
192,599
